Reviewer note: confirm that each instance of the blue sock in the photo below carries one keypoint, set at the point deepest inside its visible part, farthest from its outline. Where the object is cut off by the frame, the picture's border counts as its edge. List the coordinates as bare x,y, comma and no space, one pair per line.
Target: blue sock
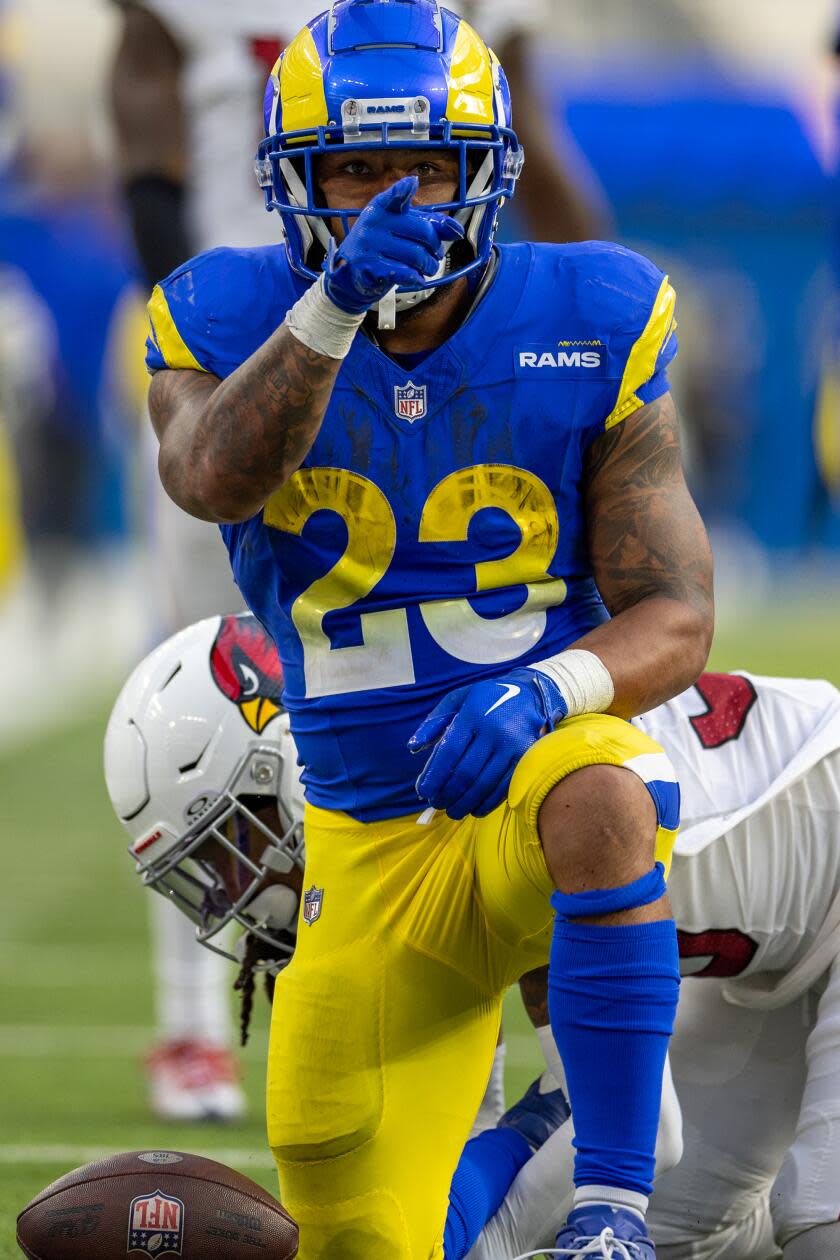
487,1166
612,994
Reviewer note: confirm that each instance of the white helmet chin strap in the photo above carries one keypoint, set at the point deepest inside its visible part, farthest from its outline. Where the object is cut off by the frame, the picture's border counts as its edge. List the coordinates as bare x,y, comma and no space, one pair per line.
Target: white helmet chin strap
389,307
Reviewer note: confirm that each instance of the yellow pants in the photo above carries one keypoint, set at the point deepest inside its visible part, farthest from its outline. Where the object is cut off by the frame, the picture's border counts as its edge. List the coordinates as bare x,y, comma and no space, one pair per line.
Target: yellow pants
385,1022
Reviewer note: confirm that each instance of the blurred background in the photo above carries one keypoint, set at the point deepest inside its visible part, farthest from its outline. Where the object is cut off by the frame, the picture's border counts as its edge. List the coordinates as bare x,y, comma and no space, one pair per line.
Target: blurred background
703,135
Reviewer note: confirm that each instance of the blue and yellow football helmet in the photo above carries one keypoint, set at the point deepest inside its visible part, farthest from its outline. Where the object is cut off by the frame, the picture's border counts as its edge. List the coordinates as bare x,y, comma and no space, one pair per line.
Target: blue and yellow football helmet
396,74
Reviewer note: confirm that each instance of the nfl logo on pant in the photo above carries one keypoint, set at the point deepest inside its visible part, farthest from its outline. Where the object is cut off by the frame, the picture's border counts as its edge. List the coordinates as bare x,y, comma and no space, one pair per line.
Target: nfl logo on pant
410,401
156,1225
313,899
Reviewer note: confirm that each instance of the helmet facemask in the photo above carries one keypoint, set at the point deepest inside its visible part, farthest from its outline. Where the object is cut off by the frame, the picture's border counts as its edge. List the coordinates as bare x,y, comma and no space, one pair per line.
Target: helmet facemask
231,866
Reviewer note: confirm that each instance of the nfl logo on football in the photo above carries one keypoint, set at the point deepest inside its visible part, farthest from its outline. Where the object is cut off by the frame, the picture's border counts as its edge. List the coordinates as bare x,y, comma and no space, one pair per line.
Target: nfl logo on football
313,899
156,1225
410,401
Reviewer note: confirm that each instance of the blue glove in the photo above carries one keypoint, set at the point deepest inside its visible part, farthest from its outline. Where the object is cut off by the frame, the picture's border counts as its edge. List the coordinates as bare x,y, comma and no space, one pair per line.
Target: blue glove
391,243
480,732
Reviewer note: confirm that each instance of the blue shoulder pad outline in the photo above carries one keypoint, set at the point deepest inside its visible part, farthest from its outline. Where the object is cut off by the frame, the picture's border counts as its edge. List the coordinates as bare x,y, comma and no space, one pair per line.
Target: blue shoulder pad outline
217,309
625,294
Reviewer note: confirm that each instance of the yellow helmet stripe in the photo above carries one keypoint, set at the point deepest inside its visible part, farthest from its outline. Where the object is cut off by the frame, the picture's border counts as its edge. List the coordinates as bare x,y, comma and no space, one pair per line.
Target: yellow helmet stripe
641,360
470,97
171,344
302,85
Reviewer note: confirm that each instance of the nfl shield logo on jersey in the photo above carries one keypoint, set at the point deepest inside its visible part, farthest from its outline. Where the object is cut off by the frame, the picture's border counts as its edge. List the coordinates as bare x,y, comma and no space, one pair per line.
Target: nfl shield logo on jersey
410,401
313,899
156,1225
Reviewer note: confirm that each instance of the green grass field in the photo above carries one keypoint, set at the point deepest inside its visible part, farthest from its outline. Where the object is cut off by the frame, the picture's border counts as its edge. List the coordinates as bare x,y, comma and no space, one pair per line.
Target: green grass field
75,994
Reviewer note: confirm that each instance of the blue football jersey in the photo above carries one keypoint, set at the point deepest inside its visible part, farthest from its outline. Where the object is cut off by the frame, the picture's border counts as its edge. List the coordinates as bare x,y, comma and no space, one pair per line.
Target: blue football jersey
434,534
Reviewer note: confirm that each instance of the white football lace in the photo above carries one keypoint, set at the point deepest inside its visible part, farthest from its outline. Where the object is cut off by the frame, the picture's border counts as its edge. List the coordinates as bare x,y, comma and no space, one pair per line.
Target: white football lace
606,1245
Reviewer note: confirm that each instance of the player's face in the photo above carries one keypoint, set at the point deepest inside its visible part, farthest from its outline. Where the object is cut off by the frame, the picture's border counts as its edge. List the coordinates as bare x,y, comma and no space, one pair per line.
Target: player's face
352,179
237,877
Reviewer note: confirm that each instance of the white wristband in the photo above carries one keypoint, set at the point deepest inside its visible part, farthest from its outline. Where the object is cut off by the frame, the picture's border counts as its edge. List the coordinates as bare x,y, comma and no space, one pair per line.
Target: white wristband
583,678
318,323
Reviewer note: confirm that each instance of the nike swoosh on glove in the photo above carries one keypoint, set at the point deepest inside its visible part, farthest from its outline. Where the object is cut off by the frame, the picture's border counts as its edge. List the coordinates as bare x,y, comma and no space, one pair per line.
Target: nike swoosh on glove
391,243
479,733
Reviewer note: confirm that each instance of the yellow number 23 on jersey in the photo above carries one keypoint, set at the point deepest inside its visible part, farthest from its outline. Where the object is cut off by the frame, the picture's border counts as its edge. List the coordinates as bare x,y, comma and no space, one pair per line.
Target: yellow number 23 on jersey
384,657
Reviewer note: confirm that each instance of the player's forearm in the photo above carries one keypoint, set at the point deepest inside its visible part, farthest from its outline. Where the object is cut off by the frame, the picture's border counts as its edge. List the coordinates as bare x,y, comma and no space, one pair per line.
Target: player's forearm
226,447
651,560
653,651
148,116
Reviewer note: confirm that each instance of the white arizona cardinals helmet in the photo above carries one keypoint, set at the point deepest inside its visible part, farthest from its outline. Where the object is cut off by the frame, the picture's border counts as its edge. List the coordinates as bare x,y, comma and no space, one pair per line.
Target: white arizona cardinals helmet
198,734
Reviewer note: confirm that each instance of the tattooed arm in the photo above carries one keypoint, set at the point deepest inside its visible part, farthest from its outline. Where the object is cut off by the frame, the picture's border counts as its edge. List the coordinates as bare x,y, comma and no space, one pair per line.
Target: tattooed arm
226,446
651,561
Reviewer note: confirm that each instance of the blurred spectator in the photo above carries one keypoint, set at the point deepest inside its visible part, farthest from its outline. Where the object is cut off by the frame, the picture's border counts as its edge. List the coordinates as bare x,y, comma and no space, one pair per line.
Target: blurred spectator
66,268
558,197
65,283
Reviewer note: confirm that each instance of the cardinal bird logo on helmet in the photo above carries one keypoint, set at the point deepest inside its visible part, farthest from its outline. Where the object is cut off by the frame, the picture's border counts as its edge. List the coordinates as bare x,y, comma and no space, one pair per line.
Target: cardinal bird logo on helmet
246,668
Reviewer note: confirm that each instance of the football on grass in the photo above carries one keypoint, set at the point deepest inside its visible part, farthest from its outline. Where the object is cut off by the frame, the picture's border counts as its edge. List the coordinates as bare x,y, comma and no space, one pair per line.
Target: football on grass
154,1204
